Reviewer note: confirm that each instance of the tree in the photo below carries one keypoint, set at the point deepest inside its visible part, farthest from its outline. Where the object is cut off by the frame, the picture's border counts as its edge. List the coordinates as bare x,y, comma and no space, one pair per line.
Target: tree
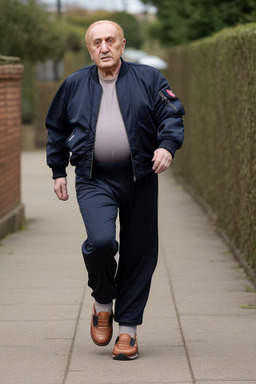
27,31
181,21
131,27
77,20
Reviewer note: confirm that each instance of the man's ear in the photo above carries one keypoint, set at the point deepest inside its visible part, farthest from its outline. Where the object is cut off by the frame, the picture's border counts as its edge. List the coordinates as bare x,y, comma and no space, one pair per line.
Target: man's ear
90,52
123,45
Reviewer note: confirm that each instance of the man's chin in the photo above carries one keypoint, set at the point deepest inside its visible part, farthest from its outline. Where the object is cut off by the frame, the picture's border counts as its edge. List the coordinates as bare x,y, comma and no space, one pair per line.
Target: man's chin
107,64
110,66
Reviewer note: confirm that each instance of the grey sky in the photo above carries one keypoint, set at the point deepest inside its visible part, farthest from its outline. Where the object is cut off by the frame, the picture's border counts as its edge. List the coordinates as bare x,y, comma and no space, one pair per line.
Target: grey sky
131,6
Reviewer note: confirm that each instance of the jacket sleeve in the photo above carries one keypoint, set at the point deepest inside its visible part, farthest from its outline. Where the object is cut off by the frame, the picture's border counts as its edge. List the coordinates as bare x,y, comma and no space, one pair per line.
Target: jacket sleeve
169,112
58,131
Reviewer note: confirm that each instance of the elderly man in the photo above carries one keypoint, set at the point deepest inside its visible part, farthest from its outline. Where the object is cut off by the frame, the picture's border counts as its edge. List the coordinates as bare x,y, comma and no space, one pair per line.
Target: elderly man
122,125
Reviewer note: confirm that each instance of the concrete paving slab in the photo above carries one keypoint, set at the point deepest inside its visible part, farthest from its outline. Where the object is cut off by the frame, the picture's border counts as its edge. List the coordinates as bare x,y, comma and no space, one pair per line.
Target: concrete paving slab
125,376
25,333
47,279
34,352
20,365
228,382
40,296
224,298
221,348
162,358
36,312
187,270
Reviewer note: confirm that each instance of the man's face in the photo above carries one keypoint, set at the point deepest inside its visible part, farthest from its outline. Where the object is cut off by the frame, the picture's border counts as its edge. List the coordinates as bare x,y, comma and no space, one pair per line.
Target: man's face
106,46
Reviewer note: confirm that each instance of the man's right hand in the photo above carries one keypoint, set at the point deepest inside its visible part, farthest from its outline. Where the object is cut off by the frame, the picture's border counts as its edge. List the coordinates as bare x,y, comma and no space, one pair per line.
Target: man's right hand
60,188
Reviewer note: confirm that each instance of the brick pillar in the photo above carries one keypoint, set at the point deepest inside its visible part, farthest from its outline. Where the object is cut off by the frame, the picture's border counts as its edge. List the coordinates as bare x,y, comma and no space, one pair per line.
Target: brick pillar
11,208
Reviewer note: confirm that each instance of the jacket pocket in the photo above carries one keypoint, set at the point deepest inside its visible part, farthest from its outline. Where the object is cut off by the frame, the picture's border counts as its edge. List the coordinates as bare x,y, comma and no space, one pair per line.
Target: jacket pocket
76,143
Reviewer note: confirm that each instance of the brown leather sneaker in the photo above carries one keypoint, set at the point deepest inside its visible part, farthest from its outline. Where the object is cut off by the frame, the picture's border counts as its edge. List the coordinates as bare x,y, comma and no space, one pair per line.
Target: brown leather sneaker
101,327
126,347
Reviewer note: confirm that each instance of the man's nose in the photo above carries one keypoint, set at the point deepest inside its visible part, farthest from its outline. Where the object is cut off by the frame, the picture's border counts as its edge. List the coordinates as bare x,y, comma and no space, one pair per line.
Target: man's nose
104,46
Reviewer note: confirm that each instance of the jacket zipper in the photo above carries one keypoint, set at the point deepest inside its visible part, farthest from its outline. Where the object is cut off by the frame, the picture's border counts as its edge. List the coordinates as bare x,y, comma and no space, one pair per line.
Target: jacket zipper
90,176
133,169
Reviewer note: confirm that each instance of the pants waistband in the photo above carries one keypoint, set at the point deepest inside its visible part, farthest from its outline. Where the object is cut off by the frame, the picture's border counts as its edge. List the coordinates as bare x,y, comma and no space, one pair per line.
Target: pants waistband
126,164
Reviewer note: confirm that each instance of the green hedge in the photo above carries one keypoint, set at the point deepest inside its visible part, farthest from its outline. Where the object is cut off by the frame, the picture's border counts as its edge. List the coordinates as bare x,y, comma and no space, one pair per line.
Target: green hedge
216,81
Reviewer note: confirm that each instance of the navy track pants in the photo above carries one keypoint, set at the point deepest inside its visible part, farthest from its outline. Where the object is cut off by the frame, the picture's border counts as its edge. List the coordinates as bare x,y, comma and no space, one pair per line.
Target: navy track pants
112,191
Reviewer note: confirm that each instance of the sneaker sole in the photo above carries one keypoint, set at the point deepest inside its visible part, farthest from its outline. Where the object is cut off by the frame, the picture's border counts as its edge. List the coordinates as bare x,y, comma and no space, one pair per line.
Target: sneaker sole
123,357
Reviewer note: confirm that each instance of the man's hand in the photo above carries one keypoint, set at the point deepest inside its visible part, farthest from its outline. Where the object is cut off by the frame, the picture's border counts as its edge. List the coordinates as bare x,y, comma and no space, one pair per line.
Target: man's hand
60,188
162,159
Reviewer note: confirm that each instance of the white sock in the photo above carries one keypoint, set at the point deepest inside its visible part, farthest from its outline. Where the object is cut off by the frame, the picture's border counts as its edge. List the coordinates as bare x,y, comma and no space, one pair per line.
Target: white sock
103,307
130,329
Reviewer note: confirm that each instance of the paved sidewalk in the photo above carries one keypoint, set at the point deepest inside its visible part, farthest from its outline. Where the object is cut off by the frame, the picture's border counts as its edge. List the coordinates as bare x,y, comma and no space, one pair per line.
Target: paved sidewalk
195,327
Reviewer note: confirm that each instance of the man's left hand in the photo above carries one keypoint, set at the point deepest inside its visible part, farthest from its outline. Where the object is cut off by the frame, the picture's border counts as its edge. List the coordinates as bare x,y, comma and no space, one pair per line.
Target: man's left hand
162,159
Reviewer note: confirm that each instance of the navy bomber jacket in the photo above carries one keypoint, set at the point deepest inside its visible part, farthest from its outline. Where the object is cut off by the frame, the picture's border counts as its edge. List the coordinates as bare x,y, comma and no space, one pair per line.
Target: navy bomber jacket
152,117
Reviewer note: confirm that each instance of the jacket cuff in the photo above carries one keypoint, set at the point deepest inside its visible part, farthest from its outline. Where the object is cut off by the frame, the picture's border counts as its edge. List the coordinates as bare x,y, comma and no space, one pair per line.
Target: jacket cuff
58,172
169,145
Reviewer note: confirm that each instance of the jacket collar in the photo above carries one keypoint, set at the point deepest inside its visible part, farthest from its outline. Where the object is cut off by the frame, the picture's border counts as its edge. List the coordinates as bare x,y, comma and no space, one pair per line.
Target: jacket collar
124,68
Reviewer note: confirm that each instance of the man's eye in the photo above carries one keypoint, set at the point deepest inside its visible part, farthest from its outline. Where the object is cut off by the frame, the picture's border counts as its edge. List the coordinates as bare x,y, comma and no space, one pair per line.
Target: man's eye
97,43
110,41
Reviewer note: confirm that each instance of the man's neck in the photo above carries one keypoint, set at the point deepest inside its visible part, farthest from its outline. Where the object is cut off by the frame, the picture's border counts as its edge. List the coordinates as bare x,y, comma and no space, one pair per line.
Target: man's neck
109,73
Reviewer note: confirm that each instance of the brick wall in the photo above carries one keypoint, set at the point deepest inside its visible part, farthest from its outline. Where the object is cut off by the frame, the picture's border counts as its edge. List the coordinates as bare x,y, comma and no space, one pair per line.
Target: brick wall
10,138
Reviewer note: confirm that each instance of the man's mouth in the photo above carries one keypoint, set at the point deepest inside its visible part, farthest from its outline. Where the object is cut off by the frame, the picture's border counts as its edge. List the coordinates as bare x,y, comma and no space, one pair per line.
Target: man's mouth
105,58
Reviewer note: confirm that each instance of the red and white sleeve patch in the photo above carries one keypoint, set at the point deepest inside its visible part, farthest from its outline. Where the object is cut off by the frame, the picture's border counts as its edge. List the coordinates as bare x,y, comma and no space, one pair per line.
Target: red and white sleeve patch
170,93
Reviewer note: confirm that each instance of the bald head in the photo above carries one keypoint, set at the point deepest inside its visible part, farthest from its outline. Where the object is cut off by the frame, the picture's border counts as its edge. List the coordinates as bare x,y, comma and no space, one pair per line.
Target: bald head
106,43
102,22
